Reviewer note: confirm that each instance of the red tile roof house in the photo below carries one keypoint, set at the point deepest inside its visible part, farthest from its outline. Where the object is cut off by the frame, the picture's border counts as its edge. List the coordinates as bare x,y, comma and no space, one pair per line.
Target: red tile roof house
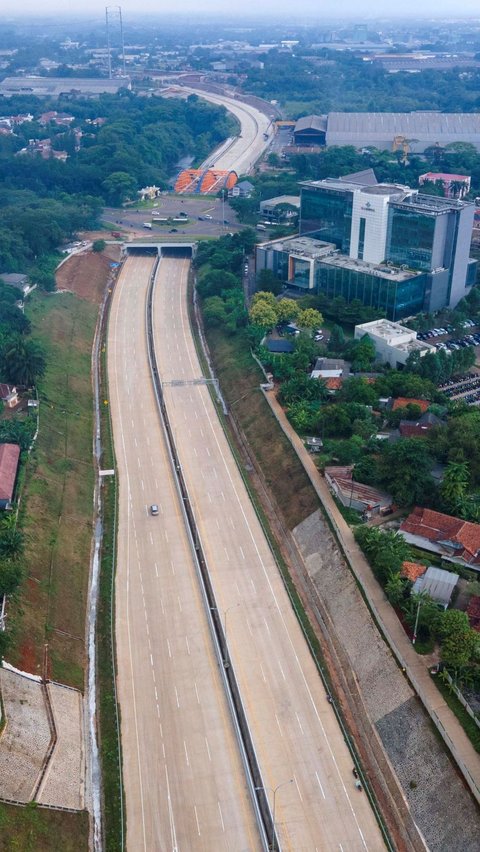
9,458
454,539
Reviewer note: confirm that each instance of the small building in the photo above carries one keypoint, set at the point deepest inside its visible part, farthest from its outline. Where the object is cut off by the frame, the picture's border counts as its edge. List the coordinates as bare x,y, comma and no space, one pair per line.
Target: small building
242,189
330,368
278,346
437,583
313,445
453,538
8,395
9,458
454,186
354,494
273,208
393,342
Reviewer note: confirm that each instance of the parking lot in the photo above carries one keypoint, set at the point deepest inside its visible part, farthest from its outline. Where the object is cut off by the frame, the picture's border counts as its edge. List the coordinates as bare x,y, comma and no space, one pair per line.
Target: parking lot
441,337
465,388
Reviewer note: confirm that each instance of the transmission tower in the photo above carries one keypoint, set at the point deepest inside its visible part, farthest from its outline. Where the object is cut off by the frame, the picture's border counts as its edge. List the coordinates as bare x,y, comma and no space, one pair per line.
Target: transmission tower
114,24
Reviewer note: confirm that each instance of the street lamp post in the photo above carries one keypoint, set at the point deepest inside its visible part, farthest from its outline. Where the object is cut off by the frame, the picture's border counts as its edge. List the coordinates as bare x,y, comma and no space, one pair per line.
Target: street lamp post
274,791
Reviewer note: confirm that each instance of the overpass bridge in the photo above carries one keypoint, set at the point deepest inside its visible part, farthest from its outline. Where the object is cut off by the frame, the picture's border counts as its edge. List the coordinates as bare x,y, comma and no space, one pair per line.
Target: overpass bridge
161,248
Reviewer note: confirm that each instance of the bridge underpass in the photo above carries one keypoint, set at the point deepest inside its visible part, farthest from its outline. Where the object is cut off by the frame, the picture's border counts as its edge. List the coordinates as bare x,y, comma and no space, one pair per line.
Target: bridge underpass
161,248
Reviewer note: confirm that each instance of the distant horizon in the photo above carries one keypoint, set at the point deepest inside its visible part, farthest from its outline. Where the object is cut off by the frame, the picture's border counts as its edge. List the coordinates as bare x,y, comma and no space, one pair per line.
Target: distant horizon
307,11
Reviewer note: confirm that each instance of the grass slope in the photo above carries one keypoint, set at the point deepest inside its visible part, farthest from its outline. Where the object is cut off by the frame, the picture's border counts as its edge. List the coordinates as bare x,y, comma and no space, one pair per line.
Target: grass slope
240,378
34,829
57,498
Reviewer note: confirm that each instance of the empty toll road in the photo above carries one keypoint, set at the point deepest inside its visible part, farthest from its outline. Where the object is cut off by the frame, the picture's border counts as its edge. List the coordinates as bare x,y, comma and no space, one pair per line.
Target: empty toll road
298,742
184,783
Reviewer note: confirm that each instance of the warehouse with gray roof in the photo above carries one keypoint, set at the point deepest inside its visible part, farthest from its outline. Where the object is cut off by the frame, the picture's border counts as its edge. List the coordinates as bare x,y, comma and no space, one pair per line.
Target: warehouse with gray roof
385,129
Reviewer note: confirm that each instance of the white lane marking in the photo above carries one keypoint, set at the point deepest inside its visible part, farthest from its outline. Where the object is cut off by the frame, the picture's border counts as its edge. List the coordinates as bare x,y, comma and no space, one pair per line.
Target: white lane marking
176,697
208,451
280,667
217,523
151,661
166,536
195,451
299,723
173,832
179,603
231,523
186,753
279,725
221,816
172,567
196,819
266,625
222,496
208,750
298,788
156,569
169,649
151,538
161,604
249,628
226,554
143,487
241,551
322,791
253,586
196,691
188,646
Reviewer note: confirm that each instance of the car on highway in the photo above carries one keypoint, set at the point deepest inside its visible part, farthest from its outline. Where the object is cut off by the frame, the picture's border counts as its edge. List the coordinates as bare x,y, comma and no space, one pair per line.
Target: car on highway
207,216
154,509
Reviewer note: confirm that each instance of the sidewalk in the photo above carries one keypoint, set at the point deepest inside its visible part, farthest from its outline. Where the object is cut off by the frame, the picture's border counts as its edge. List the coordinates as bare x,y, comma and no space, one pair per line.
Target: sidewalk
450,729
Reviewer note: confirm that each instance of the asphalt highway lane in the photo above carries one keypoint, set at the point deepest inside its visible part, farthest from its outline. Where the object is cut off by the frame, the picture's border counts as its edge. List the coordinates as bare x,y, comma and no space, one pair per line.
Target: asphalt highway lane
297,739
242,155
184,782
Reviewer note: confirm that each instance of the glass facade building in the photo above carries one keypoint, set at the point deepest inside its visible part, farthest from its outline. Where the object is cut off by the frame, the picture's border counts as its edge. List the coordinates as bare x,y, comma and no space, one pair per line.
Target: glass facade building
327,215
410,238
397,296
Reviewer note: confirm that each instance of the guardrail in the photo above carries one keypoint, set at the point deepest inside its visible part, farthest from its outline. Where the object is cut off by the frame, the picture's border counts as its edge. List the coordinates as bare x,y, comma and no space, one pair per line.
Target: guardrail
254,778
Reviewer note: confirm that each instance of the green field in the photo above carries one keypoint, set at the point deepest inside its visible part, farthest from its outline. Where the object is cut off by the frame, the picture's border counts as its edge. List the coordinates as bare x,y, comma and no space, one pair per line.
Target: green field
34,829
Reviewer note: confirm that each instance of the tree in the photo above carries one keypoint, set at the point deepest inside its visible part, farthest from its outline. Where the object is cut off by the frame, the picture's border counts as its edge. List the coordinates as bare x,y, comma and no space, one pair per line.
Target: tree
358,390
459,640
119,187
395,588
265,296
98,246
404,469
454,486
268,281
214,311
303,416
10,576
263,314
336,341
310,318
288,310
23,361
12,544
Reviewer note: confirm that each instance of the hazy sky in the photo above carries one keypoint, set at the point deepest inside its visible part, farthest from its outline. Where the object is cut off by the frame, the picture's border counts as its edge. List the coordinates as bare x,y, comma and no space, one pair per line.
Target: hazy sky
312,8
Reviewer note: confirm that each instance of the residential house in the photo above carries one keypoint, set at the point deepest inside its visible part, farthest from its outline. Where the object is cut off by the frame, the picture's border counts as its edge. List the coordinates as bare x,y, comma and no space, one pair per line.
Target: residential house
453,538
419,428
330,368
354,494
9,458
243,189
412,571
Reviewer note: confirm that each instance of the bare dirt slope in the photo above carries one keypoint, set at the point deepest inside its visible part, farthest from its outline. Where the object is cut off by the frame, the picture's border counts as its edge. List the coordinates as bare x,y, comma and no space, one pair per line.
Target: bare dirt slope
86,275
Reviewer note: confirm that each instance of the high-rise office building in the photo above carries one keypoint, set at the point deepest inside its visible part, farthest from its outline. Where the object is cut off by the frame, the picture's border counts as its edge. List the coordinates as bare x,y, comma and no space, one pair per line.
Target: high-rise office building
397,250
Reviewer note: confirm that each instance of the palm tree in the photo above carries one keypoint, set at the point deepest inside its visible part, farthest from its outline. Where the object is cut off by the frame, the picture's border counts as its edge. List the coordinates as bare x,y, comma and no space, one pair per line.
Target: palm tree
455,484
23,361
12,544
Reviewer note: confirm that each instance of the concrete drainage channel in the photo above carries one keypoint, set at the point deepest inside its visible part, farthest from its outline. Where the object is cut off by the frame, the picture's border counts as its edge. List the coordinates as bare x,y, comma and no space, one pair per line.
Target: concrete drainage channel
247,749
